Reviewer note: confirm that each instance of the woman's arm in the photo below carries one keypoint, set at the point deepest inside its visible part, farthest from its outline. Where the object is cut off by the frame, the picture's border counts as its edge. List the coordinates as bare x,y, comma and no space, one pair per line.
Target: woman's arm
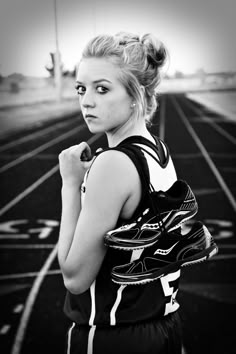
70,196
72,170
110,183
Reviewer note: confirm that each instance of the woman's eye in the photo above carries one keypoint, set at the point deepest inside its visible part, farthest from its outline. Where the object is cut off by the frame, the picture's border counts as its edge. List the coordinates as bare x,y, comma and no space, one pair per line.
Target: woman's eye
80,89
102,89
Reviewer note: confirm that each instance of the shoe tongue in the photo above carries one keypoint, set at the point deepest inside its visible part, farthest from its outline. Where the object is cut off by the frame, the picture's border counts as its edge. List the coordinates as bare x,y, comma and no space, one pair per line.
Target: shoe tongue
160,199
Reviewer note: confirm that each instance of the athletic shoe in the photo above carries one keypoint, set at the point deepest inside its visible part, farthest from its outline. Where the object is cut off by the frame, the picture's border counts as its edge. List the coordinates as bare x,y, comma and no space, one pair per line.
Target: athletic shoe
173,251
165,211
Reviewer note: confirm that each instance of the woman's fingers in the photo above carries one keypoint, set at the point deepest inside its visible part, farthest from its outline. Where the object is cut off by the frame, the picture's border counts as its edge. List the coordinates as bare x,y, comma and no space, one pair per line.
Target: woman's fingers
86,154
81,151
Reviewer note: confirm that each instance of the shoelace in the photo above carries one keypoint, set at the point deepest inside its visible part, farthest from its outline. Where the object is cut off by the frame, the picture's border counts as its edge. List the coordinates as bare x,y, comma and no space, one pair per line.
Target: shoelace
157,210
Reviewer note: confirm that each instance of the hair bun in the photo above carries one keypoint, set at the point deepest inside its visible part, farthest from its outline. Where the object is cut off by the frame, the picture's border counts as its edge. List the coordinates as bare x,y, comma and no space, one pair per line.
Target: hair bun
155,50
124,38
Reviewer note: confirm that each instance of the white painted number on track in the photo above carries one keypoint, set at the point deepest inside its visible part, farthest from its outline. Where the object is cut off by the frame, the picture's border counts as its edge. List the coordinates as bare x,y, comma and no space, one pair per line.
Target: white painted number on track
12,229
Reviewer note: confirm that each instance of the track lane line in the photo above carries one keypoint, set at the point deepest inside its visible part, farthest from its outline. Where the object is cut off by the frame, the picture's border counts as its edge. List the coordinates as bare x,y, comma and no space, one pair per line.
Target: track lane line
214,125
33,135
29,274
214,107
27,246
28,190
41,148
30,302
205,154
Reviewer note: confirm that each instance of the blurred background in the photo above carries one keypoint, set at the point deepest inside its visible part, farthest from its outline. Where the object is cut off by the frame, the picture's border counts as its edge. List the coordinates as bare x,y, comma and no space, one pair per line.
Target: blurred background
40,46
41,43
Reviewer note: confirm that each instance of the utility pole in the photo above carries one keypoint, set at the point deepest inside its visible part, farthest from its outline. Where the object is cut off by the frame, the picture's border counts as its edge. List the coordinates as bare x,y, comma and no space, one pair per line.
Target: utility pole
57,69
94,17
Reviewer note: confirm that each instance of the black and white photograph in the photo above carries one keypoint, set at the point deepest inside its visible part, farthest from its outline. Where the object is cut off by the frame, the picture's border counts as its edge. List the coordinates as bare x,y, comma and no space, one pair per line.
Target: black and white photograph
117,177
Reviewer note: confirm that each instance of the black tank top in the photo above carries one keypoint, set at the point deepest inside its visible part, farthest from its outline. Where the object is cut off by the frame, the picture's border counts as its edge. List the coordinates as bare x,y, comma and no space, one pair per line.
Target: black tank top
107,303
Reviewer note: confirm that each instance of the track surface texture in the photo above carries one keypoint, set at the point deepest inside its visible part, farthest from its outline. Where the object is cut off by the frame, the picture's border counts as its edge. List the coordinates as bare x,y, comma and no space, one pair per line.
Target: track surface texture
203,147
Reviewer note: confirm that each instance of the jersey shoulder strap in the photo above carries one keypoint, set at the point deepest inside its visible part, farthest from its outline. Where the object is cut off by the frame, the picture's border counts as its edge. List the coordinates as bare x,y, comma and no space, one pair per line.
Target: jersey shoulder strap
134,147
159,151
139,160
137,157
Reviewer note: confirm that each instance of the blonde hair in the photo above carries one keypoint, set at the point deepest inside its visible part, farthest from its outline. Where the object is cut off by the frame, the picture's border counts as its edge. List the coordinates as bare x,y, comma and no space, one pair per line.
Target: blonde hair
140,60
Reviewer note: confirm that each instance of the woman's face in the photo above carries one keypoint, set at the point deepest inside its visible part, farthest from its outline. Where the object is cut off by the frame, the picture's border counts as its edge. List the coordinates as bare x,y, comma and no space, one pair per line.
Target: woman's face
105,103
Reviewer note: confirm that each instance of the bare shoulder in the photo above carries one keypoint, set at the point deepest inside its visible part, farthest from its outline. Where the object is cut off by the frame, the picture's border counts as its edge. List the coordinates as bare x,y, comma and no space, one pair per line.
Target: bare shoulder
111,162
114,168
113,186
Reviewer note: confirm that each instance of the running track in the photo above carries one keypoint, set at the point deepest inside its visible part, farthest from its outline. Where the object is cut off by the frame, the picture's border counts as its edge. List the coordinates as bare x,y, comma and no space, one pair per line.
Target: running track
203,148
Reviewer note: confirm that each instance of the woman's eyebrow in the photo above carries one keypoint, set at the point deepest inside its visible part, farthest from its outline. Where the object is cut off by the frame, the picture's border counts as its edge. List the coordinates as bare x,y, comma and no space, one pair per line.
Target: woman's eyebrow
95,82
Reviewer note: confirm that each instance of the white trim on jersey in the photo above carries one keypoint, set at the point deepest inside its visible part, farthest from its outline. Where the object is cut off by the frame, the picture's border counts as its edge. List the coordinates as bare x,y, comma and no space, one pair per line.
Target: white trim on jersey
69,338
135,255
91,319
93,305
116,304
90,339
164,148
149,149
160,178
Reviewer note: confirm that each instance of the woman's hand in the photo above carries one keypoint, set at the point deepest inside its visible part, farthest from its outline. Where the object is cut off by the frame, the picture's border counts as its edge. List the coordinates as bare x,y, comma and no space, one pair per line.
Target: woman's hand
73,163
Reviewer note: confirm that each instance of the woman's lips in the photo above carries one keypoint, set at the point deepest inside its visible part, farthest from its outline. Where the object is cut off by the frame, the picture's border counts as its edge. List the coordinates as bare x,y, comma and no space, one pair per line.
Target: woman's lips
90,116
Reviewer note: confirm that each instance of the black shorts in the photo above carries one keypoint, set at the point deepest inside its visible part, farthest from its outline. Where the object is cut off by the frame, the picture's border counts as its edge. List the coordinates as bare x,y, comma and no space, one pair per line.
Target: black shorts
156,337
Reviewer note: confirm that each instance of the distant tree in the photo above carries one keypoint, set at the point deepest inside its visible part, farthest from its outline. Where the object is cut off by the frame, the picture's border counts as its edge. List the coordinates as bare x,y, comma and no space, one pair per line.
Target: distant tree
64,72
166,76
200,72
16,77
179,74
14,87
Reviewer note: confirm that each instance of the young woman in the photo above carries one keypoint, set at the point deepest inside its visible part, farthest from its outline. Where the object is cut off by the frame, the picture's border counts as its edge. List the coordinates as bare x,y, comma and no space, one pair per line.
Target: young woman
116,83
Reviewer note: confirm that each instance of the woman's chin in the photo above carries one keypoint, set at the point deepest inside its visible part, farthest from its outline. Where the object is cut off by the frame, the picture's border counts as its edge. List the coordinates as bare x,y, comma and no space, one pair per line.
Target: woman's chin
94,130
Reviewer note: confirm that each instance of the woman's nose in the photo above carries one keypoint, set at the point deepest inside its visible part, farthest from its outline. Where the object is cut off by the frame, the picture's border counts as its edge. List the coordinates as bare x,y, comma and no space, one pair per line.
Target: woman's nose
88,100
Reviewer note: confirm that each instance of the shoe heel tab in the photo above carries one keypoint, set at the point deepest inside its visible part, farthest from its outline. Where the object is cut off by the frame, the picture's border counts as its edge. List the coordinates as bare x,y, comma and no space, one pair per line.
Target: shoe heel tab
178,188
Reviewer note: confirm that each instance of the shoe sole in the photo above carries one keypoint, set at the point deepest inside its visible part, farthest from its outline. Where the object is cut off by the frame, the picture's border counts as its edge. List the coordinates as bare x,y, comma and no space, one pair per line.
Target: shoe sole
131,246
143,279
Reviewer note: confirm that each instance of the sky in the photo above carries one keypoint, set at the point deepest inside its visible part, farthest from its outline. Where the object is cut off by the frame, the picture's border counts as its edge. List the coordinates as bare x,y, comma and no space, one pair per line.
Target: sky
198,34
